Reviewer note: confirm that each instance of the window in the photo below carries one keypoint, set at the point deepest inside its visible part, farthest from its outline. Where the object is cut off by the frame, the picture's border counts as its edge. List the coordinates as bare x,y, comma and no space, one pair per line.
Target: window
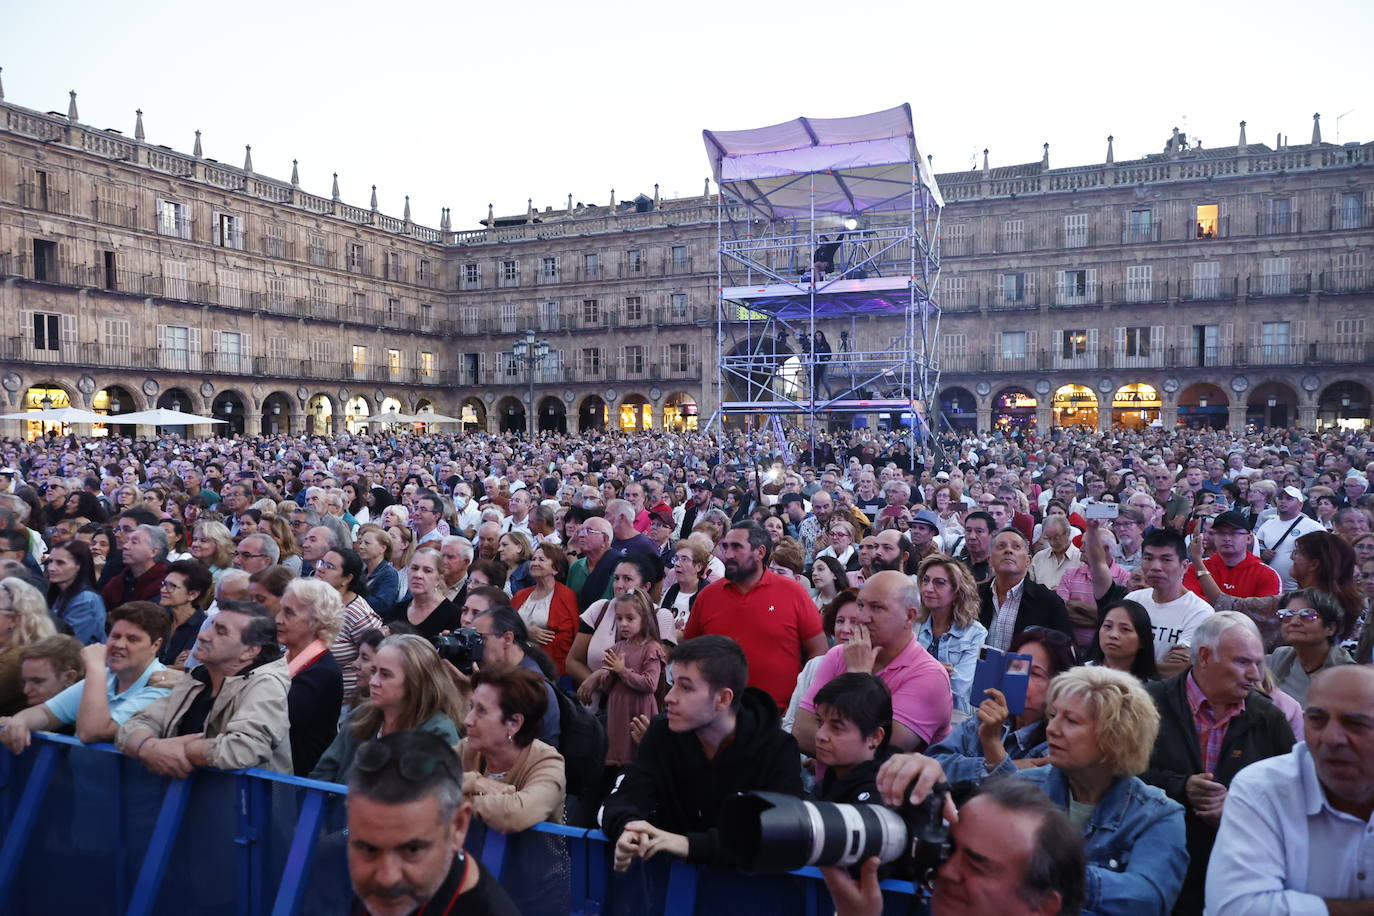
679,357
472,367
1348,330
425,271
319,254
322,351
427,365
1348,274
1351,214
359,359
548,270
1139,283
1140,226
278,347
470,319
1275,341
591,266
1073,343
393,266
677,304
634,261
1018,289
550,316
1276,279
229,351
358,312
472,276
393,361
174,283
276,292
634,309
319,301
228,231
1280,216
1014,345
1014,235
955,241
954,347
591,312
357,257
680,259
173,219
1137,341
551,369
510,366
1206,280
510,273
1077,287
426,316
47,331
230,293
509,318
273,242
952,290
1208,344
179,347
1075,230
115,334
1208,219
393,311
590,360
634,359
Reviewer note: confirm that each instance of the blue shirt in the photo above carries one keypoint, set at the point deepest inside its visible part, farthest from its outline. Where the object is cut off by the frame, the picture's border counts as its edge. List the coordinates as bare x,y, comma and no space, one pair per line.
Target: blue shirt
63,707
958,648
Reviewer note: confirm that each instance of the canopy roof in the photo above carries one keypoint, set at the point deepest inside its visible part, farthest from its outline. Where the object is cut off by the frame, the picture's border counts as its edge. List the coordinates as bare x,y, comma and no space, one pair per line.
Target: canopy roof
857,165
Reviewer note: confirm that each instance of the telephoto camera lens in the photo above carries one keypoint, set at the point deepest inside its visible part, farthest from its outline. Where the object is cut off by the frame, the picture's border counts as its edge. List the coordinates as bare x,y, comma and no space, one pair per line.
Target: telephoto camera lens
462,647
769,832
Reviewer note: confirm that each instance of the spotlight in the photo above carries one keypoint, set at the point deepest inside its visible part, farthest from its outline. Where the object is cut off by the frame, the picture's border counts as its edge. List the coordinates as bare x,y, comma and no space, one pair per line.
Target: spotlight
851,224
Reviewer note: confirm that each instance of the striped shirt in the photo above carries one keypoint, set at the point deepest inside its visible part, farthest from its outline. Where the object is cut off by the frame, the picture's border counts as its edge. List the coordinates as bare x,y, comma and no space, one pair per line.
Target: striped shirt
1211,726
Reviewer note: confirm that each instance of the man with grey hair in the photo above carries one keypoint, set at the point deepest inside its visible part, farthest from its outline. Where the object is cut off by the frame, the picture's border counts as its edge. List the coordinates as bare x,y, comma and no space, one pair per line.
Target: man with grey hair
1296,834
456,554
1213,722
255,552
145,564
318,541
621,514
590,575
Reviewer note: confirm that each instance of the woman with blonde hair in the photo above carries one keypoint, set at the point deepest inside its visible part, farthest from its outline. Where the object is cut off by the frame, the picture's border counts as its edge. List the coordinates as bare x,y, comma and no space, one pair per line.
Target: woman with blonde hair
288,554
24,620
212,545
308,621
949,628
402,551
409,689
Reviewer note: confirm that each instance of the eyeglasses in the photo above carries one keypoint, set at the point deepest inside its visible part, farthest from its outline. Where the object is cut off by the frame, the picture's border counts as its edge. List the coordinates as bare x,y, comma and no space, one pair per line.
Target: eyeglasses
414,766
323,564
248,556
1307,614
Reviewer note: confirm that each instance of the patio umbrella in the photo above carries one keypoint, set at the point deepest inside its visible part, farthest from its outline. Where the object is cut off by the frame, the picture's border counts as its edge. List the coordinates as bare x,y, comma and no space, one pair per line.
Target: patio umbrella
426,416
390,416
161,416
58,415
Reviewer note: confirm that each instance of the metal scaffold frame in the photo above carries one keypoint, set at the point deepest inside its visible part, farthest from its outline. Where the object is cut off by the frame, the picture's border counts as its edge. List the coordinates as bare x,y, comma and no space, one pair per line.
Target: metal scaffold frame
821,223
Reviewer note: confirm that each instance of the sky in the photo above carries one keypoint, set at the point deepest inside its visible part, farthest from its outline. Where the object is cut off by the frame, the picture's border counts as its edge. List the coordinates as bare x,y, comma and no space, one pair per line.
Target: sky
458,104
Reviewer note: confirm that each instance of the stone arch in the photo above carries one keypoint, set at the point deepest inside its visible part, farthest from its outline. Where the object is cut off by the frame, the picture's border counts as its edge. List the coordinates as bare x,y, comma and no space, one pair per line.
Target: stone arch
1074,405
278,411
1344,403
592,413
680,411
114,400
1203,405
473,413
231,406
1272,404
1014,407
510,412
1136,405
552,416
958,409
59,394
176,398
636,414
320,411
357,406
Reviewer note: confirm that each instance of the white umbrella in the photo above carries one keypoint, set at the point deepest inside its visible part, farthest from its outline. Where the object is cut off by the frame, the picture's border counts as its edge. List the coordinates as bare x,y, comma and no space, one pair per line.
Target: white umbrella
161,416
58,415
390,416
426,416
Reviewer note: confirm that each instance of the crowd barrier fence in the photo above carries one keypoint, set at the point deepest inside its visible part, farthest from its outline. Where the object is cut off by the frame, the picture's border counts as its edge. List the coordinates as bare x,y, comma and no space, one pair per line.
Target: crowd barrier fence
86,829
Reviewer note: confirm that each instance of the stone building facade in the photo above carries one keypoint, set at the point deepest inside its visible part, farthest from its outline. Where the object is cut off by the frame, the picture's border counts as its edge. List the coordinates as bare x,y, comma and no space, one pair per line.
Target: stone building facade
1220,287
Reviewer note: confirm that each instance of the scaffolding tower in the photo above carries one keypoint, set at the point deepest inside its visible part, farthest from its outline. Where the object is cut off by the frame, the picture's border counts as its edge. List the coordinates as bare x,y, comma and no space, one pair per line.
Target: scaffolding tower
822,223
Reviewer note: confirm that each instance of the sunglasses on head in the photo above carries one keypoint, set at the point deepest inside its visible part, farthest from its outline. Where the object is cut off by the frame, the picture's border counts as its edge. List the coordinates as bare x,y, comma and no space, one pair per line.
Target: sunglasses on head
374,756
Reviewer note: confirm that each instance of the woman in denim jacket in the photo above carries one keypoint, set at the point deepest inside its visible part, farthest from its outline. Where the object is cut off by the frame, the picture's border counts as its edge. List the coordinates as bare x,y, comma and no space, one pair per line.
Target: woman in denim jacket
947,622
1101,727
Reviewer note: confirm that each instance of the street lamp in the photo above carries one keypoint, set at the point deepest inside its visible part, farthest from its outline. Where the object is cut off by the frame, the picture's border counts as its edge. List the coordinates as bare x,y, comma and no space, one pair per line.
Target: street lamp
46,403
531,352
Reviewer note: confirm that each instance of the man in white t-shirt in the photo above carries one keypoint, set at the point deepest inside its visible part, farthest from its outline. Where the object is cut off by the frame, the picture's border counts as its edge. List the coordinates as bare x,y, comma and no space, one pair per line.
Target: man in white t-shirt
1275,538
1174,611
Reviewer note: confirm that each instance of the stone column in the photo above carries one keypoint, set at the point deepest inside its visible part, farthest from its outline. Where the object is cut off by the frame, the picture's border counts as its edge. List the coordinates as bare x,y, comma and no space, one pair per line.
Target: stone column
1307,415
1044,418
252,424
1168,416
1236,415
1104,415
985,418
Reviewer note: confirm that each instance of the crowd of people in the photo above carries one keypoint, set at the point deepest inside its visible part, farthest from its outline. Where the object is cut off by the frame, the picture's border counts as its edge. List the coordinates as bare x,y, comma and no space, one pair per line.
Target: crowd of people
1141,659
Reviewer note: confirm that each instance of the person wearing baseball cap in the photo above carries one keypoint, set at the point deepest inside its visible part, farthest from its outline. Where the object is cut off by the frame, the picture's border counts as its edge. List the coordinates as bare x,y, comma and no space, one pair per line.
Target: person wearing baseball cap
925,534
1277,536
698,504
1231,569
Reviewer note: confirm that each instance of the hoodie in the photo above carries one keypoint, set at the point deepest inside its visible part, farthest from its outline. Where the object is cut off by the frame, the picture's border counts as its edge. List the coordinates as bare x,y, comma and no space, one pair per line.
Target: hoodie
673,785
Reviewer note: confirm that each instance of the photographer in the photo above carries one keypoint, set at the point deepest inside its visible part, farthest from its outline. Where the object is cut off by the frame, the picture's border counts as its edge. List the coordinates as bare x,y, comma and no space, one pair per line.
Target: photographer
718,738
1015,854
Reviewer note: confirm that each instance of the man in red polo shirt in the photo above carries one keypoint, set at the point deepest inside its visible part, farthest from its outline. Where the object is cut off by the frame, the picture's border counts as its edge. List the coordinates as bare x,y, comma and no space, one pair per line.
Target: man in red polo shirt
772,617
1235,570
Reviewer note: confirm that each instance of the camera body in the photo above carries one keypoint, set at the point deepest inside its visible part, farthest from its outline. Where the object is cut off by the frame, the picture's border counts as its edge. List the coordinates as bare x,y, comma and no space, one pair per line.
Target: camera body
769,832
461,647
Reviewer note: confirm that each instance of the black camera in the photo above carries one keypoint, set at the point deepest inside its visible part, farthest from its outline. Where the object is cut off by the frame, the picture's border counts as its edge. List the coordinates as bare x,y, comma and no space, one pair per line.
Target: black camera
462,647
768,832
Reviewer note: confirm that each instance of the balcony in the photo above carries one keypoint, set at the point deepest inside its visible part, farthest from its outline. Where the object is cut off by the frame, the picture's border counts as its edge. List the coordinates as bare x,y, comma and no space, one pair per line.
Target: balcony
590,272
113,214
1140,234
1274,285
1202,289
1219,228
1078,294
39,196
1279,223
357,264
1347,280
633,269
548,277
1350,216
395,272
277,247
1239,355
468,283
1079,237
322,257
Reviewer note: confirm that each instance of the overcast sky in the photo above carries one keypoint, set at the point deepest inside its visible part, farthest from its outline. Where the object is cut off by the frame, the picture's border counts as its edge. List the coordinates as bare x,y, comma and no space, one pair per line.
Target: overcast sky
460,104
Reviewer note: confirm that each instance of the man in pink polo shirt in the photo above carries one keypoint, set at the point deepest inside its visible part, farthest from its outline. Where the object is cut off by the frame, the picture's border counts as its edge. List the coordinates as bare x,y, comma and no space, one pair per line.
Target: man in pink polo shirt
886,645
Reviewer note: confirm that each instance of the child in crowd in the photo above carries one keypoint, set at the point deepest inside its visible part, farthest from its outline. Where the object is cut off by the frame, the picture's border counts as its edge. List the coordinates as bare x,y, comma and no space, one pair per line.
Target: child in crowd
631,672
855,712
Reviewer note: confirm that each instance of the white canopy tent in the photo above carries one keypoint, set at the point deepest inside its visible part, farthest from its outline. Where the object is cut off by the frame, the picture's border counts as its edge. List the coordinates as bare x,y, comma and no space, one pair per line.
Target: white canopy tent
426,416
860,164
61,415
160,416
387,417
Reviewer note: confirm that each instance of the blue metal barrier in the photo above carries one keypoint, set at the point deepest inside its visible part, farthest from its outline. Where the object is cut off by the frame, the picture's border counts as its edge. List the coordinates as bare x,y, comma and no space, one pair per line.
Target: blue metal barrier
86,829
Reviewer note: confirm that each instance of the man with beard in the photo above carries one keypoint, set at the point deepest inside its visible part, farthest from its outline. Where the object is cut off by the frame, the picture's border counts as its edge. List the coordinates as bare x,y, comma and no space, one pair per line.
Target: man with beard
772,617
891,550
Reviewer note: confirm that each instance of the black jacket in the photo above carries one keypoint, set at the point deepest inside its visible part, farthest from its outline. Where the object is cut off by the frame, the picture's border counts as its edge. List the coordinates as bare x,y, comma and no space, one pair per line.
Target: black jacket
313,703
674,786
1040,607
860,786
1260,732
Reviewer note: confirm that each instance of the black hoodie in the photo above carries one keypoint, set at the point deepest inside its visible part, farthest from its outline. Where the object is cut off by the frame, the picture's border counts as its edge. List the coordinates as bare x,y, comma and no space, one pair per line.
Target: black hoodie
673,785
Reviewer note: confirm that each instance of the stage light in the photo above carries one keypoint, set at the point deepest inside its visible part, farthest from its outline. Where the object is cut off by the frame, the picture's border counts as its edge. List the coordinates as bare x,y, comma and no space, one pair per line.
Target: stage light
851,224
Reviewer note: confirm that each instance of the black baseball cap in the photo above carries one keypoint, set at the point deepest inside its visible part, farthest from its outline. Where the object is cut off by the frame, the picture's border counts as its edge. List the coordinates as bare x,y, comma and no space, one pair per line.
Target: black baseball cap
1231,519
